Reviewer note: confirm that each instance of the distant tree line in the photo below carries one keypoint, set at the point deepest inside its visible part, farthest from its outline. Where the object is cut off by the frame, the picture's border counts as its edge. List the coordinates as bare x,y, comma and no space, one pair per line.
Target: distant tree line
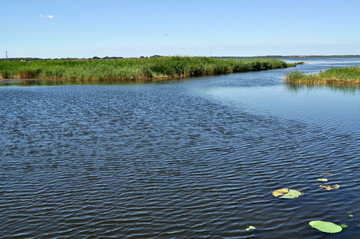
69,58
154,56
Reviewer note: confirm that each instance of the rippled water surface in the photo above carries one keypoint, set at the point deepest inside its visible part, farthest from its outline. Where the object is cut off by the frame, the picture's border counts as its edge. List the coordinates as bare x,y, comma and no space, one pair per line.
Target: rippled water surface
192,158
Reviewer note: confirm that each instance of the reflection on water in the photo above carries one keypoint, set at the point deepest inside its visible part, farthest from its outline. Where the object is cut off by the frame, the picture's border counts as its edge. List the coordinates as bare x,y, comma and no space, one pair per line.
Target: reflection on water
351,89
34,82
191,158
327,107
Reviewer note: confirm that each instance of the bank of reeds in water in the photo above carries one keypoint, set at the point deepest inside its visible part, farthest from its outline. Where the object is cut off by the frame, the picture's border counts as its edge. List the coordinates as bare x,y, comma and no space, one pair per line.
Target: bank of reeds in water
333,76
131,70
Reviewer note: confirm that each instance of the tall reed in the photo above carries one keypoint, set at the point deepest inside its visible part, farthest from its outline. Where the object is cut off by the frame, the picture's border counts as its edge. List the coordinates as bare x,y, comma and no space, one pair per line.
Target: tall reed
333,76
128,70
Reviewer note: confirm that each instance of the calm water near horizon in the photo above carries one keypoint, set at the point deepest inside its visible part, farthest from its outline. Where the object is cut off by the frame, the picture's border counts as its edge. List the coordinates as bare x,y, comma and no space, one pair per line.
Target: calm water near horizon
190,158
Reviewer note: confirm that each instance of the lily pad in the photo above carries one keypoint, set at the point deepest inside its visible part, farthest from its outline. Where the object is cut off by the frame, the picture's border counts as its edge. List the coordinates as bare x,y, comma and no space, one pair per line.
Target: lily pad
343,225
250,228
330,187
327,227
322,179
351,215
286,193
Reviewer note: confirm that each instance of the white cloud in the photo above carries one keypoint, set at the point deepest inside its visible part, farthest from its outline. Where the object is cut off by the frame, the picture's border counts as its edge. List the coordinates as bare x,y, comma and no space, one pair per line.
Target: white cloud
46,16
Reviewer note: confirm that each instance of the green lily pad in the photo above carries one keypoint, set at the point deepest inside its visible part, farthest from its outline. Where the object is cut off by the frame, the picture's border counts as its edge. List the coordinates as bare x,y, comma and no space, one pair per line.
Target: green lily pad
250,228
327,227
322,179
286,193
343,225
351,215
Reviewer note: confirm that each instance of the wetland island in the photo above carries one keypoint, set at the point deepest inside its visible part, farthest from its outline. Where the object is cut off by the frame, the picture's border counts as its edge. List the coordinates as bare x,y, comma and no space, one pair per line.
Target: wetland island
131,70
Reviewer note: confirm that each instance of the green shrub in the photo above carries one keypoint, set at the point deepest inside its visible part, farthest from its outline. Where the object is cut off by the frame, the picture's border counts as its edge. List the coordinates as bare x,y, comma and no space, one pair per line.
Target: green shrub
27,73
5,74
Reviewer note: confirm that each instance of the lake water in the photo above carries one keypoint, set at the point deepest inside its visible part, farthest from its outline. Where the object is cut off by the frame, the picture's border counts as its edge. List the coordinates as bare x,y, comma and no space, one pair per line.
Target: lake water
191,158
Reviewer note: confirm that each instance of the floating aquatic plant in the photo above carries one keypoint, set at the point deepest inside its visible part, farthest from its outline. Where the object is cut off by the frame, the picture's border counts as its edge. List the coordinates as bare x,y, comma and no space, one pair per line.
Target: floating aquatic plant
286,193
250,228
322,179
327,227
330,187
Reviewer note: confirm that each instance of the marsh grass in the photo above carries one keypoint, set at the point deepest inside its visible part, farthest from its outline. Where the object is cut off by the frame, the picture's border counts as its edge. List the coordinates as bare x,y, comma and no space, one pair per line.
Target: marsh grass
132,70
5,74
333,76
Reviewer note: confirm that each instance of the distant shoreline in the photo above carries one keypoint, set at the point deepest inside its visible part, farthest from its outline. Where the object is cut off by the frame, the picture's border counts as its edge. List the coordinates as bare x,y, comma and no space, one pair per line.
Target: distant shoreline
156,56
286,56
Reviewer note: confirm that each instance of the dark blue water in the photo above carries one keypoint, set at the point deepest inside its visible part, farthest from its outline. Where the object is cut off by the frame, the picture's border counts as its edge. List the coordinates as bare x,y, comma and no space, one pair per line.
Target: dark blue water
191,158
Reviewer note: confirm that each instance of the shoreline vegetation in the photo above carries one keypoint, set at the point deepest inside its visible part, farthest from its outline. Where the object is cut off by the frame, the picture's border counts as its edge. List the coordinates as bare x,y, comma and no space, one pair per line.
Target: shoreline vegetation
131,70
335,76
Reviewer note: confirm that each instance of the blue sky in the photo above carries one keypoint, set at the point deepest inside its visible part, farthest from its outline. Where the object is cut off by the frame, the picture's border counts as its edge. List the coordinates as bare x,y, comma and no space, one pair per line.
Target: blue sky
87,28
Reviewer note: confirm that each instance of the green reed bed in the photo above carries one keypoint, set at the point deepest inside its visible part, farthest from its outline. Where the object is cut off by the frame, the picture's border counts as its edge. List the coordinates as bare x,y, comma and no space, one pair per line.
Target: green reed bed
132,70
334,76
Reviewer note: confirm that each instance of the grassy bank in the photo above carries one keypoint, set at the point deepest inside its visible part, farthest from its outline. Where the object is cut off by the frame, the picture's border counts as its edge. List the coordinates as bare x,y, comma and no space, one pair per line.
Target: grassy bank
334,76
131,70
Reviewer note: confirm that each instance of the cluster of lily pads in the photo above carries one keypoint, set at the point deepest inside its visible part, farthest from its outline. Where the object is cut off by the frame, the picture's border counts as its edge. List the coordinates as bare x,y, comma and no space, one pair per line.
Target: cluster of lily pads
323,226
324,180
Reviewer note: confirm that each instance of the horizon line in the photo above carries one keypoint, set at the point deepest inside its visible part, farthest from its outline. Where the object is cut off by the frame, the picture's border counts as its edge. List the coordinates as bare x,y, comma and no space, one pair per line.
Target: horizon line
120,57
